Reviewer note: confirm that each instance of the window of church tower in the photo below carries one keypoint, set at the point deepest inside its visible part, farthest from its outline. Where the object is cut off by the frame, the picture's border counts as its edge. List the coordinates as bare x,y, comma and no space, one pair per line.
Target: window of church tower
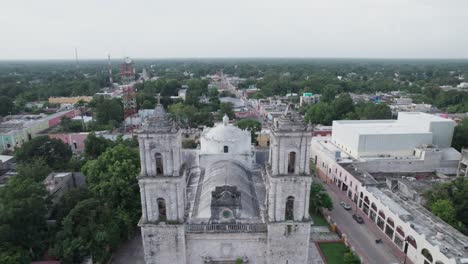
291,162
289,208
226,149
162,209
159,164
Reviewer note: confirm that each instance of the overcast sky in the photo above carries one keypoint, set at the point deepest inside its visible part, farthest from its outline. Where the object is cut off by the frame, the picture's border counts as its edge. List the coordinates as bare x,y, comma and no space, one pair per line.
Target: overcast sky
51,29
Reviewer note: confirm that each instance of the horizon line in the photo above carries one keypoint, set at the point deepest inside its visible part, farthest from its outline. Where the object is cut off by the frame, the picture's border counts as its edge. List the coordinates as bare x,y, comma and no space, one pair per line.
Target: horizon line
233,58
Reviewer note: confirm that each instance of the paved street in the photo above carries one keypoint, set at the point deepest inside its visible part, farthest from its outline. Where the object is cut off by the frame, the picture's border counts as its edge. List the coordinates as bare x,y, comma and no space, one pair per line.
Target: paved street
361,236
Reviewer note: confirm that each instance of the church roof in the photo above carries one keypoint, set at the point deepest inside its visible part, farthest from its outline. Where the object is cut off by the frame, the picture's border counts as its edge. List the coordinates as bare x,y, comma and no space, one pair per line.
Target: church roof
225,132
159,122
228,173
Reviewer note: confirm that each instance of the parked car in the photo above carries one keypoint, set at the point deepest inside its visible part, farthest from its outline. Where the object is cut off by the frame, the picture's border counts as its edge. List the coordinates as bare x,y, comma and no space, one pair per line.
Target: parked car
358,219
345,205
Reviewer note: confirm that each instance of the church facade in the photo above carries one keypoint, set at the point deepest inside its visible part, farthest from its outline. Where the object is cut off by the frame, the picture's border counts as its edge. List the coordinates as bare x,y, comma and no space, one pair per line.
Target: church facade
216,204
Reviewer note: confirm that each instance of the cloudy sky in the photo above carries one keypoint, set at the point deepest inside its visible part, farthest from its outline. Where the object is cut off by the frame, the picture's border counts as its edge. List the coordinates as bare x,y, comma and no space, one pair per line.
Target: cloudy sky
51,29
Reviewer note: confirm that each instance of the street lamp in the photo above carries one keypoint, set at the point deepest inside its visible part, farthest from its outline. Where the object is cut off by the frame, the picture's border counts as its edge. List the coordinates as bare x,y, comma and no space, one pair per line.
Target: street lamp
405,249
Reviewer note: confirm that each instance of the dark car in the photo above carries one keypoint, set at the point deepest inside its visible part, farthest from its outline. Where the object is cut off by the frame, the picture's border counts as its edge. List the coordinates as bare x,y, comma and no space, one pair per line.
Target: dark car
358,219
345,205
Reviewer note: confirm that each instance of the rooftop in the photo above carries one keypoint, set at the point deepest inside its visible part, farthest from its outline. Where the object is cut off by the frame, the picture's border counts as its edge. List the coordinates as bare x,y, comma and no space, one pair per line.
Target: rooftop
451,242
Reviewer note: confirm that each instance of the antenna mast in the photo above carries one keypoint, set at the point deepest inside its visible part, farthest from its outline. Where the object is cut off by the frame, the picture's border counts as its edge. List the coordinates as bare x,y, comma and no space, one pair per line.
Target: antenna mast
111,81
76,60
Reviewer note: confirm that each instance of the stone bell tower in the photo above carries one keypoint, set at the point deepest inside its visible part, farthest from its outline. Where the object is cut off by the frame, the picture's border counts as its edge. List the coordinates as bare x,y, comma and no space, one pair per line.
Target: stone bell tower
288,189
162,190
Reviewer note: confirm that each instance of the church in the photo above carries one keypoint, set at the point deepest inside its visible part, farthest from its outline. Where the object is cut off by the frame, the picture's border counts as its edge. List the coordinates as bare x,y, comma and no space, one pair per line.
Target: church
217,204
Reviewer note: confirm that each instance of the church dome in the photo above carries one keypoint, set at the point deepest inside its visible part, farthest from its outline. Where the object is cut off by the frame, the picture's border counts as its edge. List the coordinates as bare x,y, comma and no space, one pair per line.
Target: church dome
214,140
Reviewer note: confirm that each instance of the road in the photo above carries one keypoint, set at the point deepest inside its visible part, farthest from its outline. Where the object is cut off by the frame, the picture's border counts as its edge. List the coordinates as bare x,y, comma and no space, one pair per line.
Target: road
359,235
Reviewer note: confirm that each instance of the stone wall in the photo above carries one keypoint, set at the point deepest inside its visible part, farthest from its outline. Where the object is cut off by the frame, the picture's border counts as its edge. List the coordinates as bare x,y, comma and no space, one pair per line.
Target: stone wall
226,247
288,243
164,244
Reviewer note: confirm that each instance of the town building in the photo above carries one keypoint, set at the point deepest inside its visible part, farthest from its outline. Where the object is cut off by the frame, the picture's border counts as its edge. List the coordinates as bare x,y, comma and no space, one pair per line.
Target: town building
69,100
309,98
215,204
59,183
384,166
18,129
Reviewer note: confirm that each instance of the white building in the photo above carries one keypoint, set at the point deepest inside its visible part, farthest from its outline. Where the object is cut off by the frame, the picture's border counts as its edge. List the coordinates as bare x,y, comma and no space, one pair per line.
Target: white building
375,162
214,204
394,138
463,85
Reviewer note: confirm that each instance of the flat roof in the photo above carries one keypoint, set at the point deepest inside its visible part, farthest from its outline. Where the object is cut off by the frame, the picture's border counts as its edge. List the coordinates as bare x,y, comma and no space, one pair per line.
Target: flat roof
453,242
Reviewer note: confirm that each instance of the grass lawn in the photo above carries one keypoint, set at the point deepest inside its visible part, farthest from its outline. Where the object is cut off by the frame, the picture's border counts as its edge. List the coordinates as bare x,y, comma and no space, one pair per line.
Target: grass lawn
319,220
333,252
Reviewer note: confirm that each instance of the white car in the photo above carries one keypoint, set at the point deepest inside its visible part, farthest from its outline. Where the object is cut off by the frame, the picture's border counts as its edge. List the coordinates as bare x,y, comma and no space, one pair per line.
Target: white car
346,205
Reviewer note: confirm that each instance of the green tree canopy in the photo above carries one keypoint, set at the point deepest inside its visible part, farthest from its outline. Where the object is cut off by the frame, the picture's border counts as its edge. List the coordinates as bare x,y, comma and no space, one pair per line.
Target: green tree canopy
23,229
445,198
460,135
53,151
37,170
96,145
90,229
112,178
6,105
107,111
321,113
226,108
445,210
319,198
373,111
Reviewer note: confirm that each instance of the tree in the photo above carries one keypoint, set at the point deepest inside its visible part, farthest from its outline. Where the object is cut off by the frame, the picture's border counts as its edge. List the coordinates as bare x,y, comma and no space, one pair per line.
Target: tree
351,258
147,105
460,135
251,125
319,198
53,151
37,170
442,197
95,145
112,178
329,93
90,229
343,105
445,210
6,106
321,113
108,111
226,109
23,228
368,111
67,202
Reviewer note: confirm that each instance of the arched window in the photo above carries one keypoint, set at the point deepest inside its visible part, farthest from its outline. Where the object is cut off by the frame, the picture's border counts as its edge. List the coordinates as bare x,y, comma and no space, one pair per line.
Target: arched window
366,200
162,209
226,149
291,162
374,207
390,222
159,164
427,255
411,241
400,231
289,212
